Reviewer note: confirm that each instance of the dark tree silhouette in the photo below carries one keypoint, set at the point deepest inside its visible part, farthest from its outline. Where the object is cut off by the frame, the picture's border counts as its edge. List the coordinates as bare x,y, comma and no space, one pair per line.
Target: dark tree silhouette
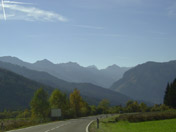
170,95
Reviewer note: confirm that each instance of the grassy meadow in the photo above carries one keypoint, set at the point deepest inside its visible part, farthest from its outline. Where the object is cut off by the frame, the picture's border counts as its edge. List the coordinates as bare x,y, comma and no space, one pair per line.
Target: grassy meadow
109,125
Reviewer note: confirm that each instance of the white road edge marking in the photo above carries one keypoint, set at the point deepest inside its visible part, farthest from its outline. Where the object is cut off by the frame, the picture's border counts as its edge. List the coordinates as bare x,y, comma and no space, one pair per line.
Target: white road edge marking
87,128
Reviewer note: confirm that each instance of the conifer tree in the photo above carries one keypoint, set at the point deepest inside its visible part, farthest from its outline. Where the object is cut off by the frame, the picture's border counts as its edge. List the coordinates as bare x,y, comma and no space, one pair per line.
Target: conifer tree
166,97
170,95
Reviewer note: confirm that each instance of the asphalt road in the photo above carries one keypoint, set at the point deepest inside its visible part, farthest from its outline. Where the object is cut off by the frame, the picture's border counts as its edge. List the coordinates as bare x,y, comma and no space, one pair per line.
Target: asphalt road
73,125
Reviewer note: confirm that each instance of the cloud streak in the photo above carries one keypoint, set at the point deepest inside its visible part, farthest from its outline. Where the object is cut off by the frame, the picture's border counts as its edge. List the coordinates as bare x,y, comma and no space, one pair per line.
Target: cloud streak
30,13
4,13
15,2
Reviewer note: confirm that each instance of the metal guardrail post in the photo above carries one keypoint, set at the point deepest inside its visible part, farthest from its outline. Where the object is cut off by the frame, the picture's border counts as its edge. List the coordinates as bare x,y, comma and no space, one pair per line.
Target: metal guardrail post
2,126
98,122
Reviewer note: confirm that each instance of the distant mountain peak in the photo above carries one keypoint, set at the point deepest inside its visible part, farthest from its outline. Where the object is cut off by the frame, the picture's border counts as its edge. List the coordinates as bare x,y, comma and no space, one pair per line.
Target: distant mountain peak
10,58
92,67
73,63
44,61
114,66
70,64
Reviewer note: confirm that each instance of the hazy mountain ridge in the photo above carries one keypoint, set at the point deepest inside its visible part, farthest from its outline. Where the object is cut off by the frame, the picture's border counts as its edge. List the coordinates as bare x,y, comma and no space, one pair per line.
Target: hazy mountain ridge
73,72
92,93
147,81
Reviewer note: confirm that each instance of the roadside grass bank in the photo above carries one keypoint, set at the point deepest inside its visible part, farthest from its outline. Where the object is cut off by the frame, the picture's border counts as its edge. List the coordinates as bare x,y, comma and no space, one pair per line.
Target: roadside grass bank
138,122
124,126
103,121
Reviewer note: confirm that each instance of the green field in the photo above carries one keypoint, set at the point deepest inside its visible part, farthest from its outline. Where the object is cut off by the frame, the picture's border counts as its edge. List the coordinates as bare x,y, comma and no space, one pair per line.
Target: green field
150,126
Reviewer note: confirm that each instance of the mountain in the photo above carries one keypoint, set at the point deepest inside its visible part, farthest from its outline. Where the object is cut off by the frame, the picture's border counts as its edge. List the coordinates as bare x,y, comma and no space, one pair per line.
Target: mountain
14,60
147,81
73,72
91,93
16,91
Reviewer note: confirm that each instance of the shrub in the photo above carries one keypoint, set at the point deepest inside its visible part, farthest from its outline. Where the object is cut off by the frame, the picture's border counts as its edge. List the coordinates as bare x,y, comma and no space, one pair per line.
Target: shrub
139,117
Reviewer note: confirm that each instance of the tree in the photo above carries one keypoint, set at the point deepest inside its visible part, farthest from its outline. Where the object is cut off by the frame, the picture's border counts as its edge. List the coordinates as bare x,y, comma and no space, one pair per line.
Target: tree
164,107
58,100
156,107
129,103
115,109
104,106
143,107
25,114
166,97
85,108
93,110
40,105
75,102
170,95
132,106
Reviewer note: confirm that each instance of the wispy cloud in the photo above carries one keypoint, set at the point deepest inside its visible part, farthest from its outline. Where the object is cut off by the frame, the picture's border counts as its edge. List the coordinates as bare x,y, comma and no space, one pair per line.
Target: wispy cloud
22,11
3,9
89,27
15,2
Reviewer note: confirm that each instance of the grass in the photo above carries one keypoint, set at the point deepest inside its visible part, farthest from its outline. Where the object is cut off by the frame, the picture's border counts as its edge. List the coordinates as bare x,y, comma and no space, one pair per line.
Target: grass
124,126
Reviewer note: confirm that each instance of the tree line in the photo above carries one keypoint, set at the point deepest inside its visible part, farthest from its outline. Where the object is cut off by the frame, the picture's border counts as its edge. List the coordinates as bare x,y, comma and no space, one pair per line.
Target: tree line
170,94
73,106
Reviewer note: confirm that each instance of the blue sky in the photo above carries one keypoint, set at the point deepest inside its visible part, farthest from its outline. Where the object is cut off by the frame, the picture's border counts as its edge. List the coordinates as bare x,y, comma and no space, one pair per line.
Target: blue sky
90,32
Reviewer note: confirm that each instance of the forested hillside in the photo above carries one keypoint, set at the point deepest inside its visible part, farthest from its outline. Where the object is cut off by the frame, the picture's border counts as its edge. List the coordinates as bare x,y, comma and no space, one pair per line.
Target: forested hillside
17,91
147,81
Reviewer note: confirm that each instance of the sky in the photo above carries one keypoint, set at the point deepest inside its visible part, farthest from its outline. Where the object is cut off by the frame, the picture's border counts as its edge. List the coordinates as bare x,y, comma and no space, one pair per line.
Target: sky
89,32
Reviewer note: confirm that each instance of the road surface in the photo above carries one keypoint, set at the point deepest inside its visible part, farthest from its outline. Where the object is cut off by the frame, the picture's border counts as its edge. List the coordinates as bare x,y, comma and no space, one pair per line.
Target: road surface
73,125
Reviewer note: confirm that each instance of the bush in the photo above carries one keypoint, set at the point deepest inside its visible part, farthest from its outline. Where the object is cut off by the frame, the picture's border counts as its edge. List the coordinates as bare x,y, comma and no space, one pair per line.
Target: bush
139,117
19,123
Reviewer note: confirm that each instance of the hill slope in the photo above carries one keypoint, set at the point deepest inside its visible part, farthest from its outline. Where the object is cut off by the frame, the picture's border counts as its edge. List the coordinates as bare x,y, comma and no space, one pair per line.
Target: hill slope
92,93
73,72
147,81
17,91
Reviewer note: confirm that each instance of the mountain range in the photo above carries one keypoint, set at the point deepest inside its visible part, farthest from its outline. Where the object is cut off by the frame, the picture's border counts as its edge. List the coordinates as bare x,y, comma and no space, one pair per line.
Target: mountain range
73,72
147,81
91,93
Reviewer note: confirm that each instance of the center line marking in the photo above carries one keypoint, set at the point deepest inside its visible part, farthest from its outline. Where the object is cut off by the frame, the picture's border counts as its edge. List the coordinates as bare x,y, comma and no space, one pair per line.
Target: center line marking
58,127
